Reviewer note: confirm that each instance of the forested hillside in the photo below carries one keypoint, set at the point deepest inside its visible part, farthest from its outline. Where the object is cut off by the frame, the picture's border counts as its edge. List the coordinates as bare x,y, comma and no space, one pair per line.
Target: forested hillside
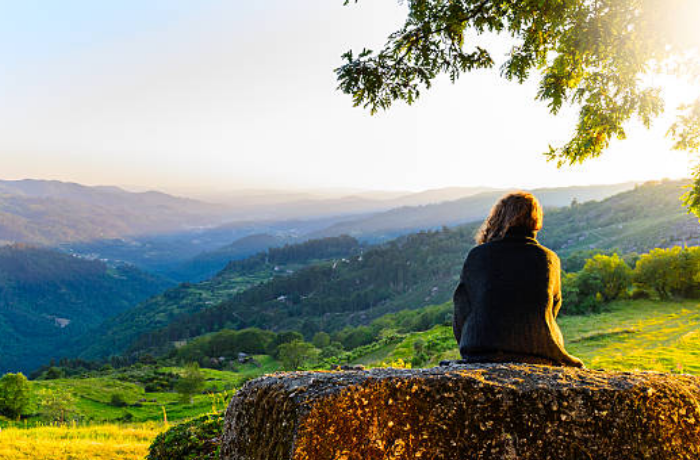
209,263
47,298
422,268
638,220
188,298
408,272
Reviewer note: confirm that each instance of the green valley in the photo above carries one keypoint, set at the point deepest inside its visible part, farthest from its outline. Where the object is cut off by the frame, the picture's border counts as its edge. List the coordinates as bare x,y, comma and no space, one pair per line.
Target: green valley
48,299
420,269
115,335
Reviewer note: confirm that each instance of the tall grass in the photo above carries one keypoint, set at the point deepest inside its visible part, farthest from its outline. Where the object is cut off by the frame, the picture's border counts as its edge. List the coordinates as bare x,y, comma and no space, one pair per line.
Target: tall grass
74,442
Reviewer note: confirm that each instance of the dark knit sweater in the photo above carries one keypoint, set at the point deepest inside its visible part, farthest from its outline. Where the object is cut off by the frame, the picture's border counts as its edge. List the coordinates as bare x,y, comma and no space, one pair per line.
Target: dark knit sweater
507,302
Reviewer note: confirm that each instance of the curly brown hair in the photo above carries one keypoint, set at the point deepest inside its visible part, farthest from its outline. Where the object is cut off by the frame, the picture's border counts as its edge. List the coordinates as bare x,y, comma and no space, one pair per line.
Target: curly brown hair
517,209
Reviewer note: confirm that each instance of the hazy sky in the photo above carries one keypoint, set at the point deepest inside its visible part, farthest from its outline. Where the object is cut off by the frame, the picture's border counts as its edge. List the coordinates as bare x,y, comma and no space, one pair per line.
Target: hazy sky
206,94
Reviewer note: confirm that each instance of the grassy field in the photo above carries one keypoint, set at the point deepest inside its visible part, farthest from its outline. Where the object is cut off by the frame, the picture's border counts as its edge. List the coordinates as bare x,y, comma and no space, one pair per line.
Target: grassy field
644,335
629,335
101,442
94,395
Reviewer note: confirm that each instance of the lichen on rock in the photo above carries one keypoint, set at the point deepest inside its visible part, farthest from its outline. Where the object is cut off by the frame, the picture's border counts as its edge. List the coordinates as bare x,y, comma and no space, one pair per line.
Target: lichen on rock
489,411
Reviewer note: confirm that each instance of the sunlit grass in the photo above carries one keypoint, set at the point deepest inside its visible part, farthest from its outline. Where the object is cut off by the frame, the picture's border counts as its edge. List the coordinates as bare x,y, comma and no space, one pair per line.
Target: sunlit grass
99,442
643,335
629,335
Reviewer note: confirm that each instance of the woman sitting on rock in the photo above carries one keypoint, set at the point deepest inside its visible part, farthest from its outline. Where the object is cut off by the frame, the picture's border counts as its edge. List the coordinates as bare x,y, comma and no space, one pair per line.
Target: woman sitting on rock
509,293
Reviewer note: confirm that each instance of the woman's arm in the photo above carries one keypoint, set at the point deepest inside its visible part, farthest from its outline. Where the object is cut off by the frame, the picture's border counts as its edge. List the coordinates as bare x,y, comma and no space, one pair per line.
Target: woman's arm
557,300
461,305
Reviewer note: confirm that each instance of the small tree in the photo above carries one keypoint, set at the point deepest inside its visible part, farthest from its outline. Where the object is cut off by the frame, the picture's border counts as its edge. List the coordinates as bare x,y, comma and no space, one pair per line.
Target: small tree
321,340
53,373
15,394
297,353
55,405
191,382
282,338
334,349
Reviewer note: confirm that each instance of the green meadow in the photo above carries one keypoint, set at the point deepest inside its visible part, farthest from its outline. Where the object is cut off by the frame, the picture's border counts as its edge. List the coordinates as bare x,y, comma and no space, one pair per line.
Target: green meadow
629,335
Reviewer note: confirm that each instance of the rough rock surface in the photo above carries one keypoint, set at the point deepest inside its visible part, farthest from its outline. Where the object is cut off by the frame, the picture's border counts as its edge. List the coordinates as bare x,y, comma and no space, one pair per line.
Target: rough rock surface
487,411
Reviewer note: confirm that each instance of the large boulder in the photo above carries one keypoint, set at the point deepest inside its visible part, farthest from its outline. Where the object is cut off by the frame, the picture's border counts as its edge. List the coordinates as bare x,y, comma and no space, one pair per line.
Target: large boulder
492,411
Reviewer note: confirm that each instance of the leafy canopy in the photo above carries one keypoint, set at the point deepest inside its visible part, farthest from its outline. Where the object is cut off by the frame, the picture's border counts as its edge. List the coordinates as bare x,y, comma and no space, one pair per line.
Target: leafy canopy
592,53
15,394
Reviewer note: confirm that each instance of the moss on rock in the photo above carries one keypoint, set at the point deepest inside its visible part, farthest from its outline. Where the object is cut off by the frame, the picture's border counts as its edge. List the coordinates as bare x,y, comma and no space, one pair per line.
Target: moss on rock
503,411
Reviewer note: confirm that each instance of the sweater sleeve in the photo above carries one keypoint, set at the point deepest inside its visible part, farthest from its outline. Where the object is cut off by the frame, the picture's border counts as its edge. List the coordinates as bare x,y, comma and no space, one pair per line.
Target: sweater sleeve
557,291
461,305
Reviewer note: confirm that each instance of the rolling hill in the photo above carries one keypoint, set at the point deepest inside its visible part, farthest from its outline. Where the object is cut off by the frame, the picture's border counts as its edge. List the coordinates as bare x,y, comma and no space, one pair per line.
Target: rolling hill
419,269
116,334
47,298
649,216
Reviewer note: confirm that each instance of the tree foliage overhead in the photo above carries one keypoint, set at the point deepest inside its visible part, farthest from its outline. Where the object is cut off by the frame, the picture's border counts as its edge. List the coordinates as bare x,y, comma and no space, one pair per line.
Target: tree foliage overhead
592,53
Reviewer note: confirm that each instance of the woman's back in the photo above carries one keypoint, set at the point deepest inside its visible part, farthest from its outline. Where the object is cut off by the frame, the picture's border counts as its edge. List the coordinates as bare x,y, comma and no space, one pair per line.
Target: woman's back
507,302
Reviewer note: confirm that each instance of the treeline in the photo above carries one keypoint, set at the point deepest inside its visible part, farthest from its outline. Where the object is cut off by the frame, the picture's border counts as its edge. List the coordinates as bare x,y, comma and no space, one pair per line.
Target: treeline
600,279
661,273
408,272
317,249
336,347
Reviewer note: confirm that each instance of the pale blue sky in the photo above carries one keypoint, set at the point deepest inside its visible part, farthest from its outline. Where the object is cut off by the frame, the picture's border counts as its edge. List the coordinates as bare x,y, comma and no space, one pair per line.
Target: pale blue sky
208,94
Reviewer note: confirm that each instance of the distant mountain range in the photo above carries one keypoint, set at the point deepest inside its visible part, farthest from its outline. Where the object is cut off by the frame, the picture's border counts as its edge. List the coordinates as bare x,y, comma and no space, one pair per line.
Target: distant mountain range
389,224
52,212
186,239
274,205
164,233
381,226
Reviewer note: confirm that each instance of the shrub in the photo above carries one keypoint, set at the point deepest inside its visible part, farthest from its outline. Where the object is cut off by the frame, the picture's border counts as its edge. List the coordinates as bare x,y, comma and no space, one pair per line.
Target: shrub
609,275
117,400
639,294
198,439
603,279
